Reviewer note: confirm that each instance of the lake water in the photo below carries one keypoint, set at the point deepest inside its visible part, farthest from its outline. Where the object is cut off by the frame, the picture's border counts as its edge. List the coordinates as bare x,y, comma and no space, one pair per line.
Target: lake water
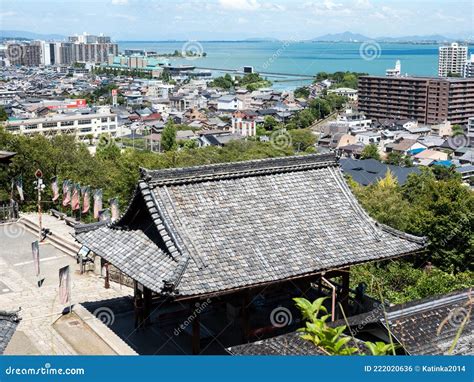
305,58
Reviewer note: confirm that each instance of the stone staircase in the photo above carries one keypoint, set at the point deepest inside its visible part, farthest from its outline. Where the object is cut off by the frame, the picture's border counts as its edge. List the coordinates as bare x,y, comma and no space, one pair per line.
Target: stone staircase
60,237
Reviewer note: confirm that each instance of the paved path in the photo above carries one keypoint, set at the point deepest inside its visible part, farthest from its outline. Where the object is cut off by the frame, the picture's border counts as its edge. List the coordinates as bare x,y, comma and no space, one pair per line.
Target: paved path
40,306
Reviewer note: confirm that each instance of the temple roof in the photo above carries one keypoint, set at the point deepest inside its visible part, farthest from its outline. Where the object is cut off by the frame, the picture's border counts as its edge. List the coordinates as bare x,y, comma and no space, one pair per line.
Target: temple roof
228,226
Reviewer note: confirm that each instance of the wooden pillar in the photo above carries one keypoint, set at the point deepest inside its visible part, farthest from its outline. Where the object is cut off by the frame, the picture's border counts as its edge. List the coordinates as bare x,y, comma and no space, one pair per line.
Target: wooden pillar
107,276
245,315
147,305
196,339
345,291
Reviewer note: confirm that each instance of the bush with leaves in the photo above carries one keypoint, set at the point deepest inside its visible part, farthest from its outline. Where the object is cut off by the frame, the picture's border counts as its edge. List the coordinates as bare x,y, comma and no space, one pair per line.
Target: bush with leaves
328,338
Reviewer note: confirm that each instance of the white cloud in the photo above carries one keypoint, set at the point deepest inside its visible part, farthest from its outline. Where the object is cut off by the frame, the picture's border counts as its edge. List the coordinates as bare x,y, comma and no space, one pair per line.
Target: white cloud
363,4
7,14
119,2
240,5
242,20
125,17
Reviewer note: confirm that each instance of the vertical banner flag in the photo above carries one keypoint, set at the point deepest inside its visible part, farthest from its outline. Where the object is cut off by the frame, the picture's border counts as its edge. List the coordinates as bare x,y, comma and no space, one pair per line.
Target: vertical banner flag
55,188
66,193
64,286
19,187
114,209
86,199
75,197
97,203
36,261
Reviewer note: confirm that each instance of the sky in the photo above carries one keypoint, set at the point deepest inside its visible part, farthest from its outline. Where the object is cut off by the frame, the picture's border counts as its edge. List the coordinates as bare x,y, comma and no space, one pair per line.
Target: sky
239,19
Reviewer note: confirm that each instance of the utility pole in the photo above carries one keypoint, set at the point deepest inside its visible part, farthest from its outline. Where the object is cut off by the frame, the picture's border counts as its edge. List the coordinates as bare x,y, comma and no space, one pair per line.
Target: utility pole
40,187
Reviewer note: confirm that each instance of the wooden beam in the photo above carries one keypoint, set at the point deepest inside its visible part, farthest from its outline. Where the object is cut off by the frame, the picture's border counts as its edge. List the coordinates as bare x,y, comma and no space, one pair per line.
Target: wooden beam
344,297
245,315
147,305
196,338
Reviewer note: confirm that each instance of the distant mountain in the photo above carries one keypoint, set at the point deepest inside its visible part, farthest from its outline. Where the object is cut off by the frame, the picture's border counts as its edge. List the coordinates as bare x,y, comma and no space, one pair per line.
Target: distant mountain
342,37
356,37
434,37
30,35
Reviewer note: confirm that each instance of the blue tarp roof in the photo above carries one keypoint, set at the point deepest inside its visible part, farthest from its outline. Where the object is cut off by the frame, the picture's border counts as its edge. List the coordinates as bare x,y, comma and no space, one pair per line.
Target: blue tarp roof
416,151
445,163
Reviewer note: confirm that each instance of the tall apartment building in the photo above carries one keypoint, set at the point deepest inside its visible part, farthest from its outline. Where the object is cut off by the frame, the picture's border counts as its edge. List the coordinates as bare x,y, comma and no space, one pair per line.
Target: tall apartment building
91,48
451,59
428,100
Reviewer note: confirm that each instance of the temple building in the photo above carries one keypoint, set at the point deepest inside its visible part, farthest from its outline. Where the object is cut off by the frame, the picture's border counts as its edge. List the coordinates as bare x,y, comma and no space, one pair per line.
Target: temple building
241,238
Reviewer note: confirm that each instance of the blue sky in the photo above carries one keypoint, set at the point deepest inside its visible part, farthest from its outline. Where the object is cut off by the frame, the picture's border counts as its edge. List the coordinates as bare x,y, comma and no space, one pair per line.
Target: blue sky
239,19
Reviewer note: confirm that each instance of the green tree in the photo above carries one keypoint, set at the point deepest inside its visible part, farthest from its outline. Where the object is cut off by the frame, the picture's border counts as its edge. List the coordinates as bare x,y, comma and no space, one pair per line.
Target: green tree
370,151
168,136
302,92
457,130
3,114
302,139
269,123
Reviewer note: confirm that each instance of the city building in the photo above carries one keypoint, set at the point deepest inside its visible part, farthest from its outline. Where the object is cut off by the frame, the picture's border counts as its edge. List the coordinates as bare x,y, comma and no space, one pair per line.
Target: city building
470,128
91,48
469,67
428,100
345,92
244,124
451,59
81,125
396,71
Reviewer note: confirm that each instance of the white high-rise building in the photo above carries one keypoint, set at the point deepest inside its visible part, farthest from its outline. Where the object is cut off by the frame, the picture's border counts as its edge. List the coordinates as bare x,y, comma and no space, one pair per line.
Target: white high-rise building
396,71
469,68
452,59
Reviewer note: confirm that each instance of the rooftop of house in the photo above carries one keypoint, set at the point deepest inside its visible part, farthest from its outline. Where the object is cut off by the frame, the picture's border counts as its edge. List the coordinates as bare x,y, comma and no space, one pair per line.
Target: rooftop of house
219,228
368,171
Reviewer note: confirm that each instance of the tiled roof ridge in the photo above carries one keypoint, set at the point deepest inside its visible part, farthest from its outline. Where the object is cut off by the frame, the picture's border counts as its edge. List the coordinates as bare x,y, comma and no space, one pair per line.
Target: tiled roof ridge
416,239
429,303
168,234
83,228
236,169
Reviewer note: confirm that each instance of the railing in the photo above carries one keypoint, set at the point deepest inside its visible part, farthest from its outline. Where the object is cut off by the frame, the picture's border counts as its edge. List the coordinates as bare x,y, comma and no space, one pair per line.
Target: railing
8,211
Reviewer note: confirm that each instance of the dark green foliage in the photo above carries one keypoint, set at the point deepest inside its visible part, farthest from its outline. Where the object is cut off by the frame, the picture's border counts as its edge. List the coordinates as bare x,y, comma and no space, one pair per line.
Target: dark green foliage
341,79
370,151
302,92
3,114
439,207
168,137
